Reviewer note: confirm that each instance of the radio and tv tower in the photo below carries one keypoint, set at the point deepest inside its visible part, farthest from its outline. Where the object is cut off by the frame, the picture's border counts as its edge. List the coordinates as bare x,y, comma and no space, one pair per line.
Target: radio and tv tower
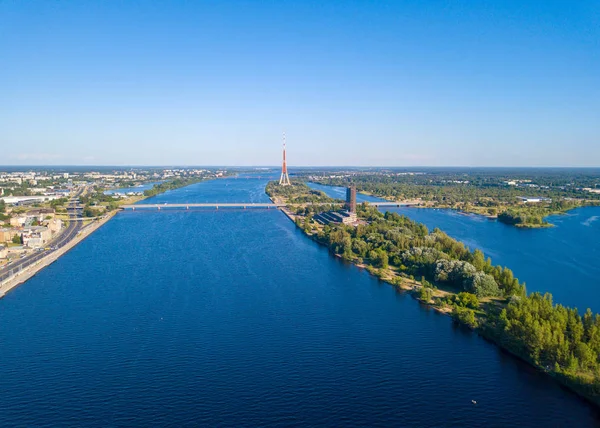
285,179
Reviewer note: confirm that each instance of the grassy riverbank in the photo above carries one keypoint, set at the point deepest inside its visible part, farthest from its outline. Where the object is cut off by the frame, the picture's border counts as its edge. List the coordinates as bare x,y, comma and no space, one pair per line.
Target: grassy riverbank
443,273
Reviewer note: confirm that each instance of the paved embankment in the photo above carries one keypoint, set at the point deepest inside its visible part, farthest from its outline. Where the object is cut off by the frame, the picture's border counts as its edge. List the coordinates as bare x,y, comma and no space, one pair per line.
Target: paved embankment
31,270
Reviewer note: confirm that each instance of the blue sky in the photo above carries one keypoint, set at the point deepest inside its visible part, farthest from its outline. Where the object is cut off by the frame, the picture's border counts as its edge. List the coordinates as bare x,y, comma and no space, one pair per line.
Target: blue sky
406,83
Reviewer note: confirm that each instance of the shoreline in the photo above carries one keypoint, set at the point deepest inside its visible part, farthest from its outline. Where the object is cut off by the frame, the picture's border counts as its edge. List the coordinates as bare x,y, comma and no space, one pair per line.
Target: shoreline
482,331
432,205
30,271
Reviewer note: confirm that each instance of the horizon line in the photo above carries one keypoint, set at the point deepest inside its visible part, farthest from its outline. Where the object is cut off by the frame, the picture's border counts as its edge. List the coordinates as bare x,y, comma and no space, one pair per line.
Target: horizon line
279,166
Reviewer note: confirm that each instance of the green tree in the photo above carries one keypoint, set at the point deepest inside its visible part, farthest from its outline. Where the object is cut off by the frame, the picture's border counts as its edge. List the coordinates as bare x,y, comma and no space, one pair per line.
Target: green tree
425,294
465,316
379,258
478,260
466,300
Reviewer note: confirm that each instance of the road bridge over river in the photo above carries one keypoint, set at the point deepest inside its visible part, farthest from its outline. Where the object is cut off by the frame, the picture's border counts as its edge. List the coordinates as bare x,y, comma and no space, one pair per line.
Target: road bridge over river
245,205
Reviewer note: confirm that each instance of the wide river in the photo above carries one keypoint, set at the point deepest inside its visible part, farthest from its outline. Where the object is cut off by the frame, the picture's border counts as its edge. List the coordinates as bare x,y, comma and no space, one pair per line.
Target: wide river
235,318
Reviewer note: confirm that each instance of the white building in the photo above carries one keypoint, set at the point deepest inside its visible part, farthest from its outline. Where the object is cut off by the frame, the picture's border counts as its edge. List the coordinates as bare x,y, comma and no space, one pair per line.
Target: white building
533,200
34,199
36,236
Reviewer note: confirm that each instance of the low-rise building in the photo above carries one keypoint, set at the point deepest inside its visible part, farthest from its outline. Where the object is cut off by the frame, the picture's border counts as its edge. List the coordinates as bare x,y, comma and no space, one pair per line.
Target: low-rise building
589,189
28,200
7,234
530,200
36,236
3,252
18,220
343,216
30,216
40,214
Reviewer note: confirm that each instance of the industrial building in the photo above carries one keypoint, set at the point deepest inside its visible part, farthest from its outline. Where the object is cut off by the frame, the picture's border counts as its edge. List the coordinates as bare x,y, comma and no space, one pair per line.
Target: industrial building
346,216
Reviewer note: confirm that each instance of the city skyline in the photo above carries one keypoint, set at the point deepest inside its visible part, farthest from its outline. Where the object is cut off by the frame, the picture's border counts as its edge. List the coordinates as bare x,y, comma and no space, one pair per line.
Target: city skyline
358,84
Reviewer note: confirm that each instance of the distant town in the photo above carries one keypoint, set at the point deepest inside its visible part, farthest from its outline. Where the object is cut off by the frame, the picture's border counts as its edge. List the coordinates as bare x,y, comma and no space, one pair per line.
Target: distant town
36,206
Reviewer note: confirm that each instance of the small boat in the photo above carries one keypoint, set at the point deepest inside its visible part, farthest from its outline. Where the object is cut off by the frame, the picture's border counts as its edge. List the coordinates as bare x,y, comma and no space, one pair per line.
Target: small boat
473,401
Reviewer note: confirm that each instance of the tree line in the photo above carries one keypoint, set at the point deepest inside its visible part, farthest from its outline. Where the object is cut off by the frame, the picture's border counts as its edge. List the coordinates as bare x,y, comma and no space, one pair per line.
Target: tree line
552,337
487,195
159,188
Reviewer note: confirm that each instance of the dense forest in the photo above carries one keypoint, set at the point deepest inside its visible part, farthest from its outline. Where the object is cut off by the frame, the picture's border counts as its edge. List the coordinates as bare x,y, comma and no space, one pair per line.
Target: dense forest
553,337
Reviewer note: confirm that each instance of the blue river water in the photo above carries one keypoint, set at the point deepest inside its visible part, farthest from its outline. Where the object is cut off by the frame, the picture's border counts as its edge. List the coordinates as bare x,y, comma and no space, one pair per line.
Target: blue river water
235,318
563,260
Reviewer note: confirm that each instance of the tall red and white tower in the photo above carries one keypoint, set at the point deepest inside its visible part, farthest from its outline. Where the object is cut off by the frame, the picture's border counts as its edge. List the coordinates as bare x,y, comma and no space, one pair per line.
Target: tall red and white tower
285,179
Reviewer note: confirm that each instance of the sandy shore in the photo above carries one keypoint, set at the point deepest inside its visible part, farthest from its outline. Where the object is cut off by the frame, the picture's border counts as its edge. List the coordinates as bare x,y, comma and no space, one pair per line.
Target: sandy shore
30,271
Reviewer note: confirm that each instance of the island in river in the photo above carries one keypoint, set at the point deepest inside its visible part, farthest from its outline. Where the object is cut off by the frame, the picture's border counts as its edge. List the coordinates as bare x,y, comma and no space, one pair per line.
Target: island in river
455,280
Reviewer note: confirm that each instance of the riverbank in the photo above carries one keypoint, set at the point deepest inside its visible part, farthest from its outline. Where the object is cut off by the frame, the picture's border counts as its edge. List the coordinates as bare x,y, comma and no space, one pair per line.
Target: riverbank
33,269
487,202
88,229
489,317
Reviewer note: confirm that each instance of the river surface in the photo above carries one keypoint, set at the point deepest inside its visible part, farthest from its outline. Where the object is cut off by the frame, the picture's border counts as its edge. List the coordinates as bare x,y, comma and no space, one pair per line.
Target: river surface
563,260
235,318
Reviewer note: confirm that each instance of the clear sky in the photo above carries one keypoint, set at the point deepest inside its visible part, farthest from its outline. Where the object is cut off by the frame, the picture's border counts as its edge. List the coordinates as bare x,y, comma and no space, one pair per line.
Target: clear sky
393,83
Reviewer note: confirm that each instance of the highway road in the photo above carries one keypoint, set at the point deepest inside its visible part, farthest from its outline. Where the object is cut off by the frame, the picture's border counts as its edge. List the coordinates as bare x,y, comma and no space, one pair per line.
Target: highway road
60,241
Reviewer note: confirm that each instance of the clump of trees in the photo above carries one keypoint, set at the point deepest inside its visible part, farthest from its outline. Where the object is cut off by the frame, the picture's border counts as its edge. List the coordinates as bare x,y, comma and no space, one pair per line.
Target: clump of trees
478,187
171,185
3,216
465,316
524,217
552,336
300,193
464,300
392,240
481,192
58,202
463,275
